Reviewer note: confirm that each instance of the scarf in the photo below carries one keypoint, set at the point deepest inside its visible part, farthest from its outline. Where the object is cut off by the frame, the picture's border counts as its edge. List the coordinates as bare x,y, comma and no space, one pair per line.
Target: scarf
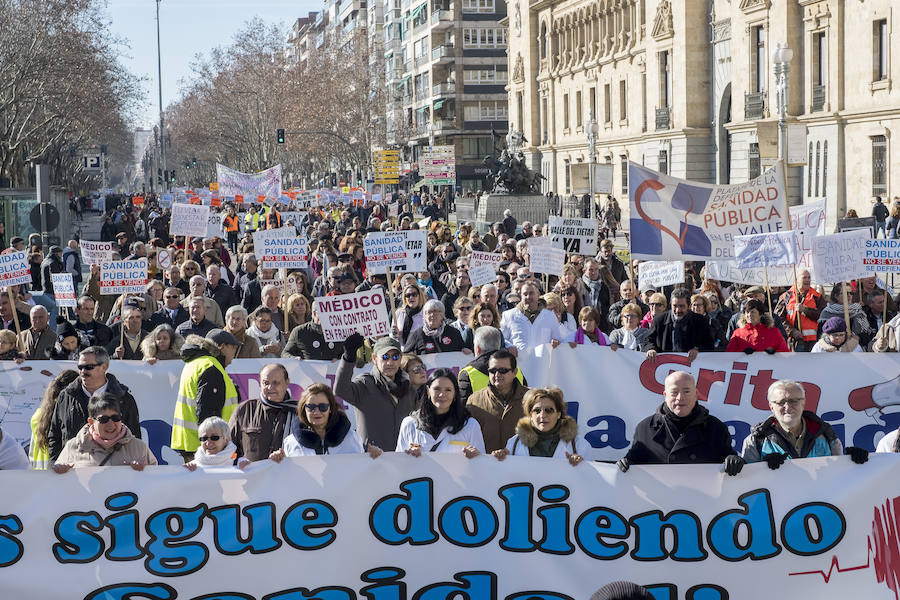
107,444
531,315
433,333
220,458
596,337
546,442
410,312
397,387
288,405
308,438
679,424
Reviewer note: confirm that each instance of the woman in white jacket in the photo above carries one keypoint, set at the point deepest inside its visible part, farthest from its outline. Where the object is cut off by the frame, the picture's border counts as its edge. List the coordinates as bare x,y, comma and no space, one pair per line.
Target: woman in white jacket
547,430
441,423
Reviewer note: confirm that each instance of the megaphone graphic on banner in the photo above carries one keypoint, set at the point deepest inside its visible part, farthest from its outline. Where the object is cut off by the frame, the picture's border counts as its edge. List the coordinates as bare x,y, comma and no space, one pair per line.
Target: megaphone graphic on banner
874,399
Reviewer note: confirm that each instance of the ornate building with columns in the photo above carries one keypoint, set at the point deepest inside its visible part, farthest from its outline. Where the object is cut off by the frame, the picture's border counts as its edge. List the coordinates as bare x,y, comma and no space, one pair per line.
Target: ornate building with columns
687,87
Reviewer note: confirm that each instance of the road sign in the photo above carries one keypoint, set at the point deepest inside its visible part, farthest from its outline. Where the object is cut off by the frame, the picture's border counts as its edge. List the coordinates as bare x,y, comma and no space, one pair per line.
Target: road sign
34,217
91,161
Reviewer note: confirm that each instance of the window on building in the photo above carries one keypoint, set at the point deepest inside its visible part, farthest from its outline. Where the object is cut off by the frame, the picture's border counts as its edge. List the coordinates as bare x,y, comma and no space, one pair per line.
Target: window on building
825,168
607,104
664,162
753,164
484,77
565,111
486,110
592,96
477,147
820,53
623,101
758,58
579,116
520,111
484,37
478,6
643,102
543,41
809,170
880,48
818,165
624,166
879,165
665,78
545,123
568,168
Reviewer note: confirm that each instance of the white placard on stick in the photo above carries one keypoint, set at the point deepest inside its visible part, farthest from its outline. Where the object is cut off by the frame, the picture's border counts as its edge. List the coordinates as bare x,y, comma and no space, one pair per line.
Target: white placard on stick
574,235
362,312
882,255
776,249
547,259
397,251
63,289
660,273
491,259
189,220
280,249
94,253
841,256
14,268
123,277
482,274
214,225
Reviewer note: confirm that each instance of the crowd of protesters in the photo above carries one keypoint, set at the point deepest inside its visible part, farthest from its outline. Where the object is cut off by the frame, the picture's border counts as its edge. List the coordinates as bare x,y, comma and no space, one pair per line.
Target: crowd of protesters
213,303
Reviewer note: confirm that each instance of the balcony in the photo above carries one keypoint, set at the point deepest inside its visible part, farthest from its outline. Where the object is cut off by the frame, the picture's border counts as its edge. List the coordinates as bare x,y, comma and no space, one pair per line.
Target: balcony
441,18
754,106
663,118
392,44
394,14
395,74
443,125
421,60
818,98
443,54
444,89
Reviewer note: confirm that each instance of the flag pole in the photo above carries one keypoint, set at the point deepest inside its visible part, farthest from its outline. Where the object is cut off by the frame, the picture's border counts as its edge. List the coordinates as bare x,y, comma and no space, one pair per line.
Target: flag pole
15,312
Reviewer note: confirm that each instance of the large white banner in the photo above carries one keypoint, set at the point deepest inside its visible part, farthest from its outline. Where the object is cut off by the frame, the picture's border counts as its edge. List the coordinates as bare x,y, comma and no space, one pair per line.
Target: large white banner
607,392
249,185
439,527
675,219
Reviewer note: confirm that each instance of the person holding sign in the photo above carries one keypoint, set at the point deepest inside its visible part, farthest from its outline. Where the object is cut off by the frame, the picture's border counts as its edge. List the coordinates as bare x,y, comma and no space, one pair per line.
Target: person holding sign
756,331
802,306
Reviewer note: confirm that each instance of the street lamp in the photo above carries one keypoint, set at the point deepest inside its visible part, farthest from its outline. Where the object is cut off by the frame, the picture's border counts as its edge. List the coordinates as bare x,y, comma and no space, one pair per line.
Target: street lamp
162,156
781,58
592,129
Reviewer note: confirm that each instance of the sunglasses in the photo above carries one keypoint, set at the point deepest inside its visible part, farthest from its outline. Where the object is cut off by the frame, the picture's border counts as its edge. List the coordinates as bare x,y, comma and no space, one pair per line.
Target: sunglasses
525,276
418,369
104,419
212,438
89,367
321,407
411,296
173,297
657,304
391,356
500,370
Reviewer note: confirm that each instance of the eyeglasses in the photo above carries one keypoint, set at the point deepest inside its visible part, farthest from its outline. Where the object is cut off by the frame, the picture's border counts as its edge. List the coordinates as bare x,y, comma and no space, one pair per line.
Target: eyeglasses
465,308
629,316
90,367
500,370
321,407
657,304
173,297
418,369
391,356
524,275
211,438
410,295
104,419
549,410
791,401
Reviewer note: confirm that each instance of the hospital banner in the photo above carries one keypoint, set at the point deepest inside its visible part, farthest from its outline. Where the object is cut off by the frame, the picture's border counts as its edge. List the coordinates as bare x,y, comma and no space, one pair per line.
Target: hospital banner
439,527
676,219
608,392
249,185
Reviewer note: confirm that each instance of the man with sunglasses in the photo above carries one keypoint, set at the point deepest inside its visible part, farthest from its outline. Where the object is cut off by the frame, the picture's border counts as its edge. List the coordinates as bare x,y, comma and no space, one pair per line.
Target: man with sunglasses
171,313
71,411
497,404
381,398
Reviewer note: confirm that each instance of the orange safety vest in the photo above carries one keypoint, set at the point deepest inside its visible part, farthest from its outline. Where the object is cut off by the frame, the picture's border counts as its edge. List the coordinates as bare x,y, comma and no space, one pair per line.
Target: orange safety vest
231,224
273,220
808,327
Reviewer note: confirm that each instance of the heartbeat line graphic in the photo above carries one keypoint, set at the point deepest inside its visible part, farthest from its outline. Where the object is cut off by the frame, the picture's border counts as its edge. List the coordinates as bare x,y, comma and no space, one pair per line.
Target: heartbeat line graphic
882,551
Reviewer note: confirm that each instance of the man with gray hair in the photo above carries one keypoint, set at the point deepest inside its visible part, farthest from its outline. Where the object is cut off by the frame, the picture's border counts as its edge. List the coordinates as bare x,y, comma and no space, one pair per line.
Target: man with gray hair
36,341
792,431
198,324
197,285
435,334
474,376
70,413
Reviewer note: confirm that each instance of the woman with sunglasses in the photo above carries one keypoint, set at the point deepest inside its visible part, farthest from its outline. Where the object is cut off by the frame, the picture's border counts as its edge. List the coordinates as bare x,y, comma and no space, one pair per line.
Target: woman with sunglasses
415,369
441,423
409,316
546,430
321,427
104,440
216,448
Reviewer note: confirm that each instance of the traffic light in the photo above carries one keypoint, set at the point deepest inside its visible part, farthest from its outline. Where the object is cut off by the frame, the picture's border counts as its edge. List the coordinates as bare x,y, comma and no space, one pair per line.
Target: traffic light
187,166
172,176
160,176
194,162
279,133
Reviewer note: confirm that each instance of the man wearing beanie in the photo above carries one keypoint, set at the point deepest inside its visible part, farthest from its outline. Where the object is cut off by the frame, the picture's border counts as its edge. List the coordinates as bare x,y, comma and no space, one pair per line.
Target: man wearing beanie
835,339
381,398
622,590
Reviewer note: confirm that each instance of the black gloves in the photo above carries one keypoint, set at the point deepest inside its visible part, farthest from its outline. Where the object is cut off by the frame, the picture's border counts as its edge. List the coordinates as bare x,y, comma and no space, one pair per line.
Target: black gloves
775,460
353,343
733,464
623,464
749,350
770,350
856,454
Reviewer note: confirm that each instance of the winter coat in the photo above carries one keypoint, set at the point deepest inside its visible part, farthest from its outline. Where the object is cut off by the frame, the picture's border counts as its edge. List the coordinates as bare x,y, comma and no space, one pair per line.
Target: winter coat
597,294
202,328
769,438
478,369
640,334
692,328
36,346
258,430
497,417
211,397
705,440
569,441
52,264
164,317
248,347
70,413
614,316
83,451
445,442
450,340
859,323
130,353
265,338
308,342
757,337
340,439
213,312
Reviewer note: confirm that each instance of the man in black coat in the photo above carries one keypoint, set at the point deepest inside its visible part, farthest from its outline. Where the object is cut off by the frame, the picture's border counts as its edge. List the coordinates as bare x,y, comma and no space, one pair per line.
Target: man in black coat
90,331
6,315
51,265
679,330
307,342
681,432
171,313
70,413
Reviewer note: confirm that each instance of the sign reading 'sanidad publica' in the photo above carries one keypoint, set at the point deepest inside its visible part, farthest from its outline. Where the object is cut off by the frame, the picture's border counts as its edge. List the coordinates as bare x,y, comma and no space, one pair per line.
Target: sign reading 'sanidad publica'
363,312
14,269
280,248
123,277
395,251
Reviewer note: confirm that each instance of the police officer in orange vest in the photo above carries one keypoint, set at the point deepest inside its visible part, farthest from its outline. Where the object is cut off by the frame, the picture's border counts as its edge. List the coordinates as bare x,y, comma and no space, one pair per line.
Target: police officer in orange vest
802,308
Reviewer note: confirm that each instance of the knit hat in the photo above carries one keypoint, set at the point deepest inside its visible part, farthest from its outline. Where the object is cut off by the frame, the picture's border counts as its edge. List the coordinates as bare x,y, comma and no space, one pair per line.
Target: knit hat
385,343
834,325
64,330
622,590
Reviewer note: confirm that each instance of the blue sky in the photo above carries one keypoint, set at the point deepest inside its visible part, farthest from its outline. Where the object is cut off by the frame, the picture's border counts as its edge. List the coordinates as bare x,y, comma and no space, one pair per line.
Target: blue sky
187,27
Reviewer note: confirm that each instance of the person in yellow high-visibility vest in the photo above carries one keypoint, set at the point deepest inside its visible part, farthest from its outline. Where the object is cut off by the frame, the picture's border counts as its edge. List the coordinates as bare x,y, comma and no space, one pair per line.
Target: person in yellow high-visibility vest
205,389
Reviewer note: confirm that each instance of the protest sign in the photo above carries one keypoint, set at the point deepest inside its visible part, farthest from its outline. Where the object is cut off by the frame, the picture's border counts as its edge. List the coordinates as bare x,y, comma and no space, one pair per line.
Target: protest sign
94,253
538,240
63,289
123,277
840,256
14,268
393,210
574,235
882,255
189,220
766,249
397,251
547,259
483,267
657,274
164,258
280,248
808,220
849,224
214,225
166,200
362,312
676,219
250,185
